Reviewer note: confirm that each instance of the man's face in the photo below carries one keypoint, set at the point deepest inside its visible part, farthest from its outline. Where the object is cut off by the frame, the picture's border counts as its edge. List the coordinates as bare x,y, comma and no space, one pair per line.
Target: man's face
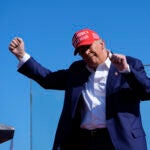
93,54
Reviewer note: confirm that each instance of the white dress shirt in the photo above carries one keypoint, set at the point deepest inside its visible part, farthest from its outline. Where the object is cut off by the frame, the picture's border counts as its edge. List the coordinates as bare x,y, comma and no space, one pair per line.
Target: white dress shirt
24,59
94,94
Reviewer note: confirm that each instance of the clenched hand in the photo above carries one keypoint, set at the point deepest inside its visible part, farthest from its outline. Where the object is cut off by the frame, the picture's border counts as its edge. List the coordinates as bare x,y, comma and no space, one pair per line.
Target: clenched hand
119,61
16,46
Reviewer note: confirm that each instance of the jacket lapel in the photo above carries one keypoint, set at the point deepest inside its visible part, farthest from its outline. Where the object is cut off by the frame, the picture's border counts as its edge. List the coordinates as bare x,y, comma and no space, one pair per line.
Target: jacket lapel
112,80
77,91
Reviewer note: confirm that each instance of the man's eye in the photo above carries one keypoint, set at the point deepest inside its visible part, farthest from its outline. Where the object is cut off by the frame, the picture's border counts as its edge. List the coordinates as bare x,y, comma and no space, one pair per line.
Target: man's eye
83,49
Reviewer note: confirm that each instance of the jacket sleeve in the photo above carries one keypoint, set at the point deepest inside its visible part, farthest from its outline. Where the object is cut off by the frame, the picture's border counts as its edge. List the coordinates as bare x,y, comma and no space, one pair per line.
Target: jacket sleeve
138,79
45,77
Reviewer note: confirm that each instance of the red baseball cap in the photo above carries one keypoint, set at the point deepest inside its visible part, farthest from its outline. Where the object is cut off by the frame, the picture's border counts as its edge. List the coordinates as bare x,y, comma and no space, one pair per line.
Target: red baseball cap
84,37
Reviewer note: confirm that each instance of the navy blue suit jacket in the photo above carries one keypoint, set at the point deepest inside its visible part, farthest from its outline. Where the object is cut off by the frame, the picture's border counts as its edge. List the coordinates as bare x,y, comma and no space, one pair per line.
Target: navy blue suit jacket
123,95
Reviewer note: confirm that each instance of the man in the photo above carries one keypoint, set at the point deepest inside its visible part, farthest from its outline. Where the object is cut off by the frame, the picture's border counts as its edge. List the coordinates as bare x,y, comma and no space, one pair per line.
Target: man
102,95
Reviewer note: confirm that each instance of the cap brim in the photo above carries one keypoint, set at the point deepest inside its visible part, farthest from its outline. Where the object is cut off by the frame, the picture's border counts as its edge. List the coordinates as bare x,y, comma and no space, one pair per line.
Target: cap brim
75,51
82,44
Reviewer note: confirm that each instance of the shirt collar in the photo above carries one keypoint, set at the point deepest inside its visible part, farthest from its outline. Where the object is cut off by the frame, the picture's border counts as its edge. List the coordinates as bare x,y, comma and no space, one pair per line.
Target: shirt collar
105,64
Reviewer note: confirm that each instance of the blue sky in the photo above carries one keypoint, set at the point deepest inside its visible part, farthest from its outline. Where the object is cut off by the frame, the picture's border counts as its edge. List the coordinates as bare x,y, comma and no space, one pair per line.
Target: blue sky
47,27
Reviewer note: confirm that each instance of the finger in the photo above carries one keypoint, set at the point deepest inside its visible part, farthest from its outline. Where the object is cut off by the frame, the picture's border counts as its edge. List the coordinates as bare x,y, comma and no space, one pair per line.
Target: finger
11,47
110,55
19,40
15,43
116,59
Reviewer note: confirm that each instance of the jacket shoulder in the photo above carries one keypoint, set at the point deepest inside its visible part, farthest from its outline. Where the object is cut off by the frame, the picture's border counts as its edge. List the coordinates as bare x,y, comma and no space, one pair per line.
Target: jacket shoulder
77,65
133,60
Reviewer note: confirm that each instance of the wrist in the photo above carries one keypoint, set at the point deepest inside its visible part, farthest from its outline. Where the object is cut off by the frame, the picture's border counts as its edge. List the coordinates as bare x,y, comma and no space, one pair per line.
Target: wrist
20,56
125,70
